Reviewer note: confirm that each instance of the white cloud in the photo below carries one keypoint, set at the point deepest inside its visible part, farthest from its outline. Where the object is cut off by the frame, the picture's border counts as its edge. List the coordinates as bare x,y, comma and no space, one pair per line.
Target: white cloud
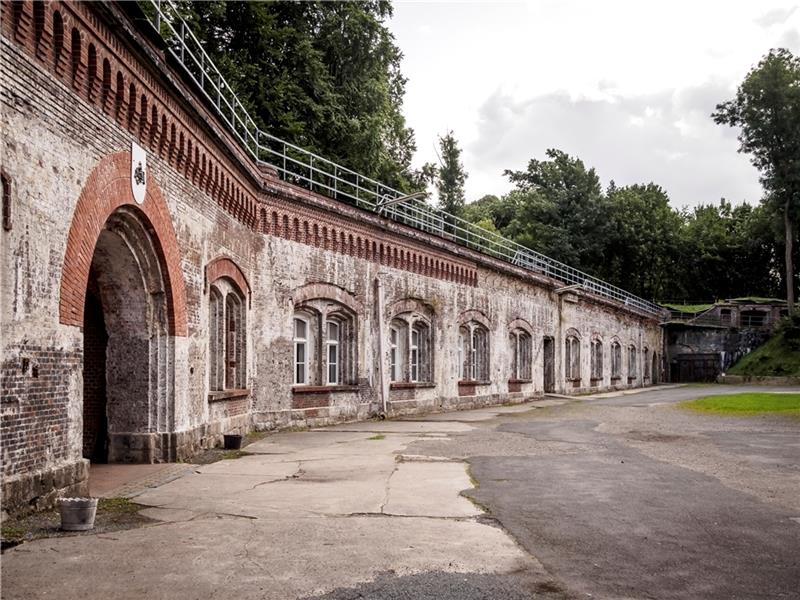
631,140
512,79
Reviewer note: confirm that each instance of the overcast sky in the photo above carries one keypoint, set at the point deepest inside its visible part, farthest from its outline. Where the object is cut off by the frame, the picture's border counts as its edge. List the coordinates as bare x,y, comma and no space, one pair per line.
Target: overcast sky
626,86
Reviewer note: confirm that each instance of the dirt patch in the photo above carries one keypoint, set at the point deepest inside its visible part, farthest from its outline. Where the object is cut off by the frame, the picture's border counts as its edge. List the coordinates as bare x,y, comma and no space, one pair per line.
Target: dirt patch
653,436
113,514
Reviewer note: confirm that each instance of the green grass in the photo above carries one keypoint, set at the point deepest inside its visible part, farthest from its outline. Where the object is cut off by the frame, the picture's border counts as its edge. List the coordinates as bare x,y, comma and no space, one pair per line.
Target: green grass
377,436
234,454
777,357
689,308
746,404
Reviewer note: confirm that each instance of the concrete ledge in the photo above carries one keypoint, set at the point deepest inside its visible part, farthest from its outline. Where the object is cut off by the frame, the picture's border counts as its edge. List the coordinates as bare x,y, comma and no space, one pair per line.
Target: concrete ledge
754,379
37,491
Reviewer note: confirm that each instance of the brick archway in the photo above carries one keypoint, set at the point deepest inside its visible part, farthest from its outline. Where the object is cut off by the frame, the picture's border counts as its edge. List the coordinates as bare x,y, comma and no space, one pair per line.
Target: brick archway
107,189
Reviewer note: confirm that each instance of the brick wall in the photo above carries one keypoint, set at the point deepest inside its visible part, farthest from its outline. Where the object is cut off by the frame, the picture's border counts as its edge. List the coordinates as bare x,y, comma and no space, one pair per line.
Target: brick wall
35,383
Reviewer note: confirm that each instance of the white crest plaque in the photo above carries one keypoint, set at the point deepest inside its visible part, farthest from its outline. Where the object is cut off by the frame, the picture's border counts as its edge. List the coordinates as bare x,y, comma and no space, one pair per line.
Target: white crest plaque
138,172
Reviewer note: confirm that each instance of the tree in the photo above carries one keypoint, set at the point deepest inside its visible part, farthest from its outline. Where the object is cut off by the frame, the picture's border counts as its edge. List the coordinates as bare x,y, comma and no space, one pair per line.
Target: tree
451,176
324,76
642,245
562,211
767,109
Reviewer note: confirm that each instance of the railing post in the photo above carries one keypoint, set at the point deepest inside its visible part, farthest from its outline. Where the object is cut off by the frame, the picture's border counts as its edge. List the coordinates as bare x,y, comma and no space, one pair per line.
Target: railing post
158,16
183,41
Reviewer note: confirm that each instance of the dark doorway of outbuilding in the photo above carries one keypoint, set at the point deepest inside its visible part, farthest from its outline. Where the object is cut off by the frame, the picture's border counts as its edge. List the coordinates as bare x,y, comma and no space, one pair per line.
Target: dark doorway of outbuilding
549,352
128,354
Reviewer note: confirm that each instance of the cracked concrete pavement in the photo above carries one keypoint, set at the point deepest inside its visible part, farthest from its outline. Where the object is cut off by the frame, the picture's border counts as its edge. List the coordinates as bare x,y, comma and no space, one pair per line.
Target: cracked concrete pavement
303,514
611,496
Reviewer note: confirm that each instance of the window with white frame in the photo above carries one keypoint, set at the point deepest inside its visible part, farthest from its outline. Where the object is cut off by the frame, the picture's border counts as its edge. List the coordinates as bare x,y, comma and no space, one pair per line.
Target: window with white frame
597,359
324,344
332,344
632,357
521,345
410,349
301,343
616,360
474,352
227,337
572,357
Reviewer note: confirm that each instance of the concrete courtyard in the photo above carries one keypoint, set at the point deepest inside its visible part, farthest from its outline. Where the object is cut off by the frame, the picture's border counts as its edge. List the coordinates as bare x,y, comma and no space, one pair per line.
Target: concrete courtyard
610,496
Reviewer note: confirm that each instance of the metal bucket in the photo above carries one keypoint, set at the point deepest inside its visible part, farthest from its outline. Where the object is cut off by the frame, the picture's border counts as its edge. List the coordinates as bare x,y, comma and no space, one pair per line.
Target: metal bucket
232,441
77,514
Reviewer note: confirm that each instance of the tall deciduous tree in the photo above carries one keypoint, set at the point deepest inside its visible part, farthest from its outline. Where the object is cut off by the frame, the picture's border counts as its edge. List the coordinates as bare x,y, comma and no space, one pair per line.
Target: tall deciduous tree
767,108
451,175
562,210
322,75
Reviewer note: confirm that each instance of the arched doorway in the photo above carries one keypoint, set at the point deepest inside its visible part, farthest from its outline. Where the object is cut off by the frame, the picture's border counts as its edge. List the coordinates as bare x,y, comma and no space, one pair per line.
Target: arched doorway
128,352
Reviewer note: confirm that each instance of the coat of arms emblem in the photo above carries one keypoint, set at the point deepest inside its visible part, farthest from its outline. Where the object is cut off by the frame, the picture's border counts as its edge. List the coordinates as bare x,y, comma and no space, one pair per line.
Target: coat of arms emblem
138,172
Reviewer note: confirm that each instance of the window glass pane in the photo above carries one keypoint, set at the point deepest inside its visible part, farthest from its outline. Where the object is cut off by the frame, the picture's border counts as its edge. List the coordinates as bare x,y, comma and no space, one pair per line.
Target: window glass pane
333,331
300,363
300,329
333,369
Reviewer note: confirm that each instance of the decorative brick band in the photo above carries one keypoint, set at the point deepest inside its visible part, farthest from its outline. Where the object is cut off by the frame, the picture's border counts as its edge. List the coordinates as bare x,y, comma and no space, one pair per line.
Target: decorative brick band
108,188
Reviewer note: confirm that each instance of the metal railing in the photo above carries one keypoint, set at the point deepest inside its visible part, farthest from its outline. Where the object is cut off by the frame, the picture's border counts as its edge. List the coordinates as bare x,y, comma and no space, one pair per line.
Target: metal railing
303,168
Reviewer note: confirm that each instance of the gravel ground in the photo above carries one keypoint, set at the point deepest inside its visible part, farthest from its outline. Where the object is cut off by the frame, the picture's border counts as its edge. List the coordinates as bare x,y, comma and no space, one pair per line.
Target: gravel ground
438,585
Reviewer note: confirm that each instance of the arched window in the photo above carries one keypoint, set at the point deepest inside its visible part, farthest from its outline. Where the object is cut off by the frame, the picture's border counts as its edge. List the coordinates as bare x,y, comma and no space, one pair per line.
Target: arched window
227,337
632,356
521,354
645,363
410,349
474,352
616,360
324,344
597,359
572,357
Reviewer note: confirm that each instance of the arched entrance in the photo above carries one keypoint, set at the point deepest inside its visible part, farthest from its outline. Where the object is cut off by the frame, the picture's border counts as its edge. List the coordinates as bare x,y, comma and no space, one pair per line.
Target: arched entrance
122,284
128,353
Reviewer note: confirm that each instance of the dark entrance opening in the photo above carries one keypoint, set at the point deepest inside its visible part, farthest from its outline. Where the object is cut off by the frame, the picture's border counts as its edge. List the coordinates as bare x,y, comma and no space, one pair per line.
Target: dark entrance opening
654,370
687,368
95,342
128,354
549,355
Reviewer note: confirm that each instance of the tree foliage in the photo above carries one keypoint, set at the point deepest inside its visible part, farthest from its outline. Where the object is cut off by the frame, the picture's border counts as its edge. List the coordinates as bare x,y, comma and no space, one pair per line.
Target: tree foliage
450,176
630,236
767,110
322,75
